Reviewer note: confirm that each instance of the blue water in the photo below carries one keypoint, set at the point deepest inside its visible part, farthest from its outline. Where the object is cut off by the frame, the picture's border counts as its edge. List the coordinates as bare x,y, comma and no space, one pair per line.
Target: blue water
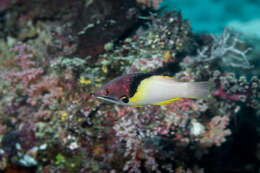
212,16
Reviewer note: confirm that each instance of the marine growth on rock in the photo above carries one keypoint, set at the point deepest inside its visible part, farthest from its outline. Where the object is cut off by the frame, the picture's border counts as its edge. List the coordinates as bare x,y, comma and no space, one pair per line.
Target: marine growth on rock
55,60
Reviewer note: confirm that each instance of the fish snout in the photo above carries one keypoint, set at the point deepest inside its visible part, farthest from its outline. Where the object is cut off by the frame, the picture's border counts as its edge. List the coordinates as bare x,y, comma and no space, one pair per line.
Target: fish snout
99,93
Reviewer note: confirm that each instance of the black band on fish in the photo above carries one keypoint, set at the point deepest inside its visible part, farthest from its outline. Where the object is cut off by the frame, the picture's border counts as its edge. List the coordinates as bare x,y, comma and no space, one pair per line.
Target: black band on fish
136,80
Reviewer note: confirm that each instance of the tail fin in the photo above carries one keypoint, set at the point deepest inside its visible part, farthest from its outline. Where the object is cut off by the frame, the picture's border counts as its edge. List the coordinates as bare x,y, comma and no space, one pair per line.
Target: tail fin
198,90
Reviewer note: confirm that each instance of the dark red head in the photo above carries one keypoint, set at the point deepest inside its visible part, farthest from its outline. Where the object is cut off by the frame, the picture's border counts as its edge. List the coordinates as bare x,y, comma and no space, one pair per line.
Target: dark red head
121,88
117,90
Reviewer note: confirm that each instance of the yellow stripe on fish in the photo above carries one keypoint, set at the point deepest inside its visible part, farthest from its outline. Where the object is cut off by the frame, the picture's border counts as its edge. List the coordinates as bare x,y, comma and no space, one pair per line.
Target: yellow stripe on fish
168,101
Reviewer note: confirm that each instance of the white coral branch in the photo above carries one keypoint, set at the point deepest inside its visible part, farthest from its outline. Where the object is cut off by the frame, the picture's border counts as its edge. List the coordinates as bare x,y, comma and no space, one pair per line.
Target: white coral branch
224,48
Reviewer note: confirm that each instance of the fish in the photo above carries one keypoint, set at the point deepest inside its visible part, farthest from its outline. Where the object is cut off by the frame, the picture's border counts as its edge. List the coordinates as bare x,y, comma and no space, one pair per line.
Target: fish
141,89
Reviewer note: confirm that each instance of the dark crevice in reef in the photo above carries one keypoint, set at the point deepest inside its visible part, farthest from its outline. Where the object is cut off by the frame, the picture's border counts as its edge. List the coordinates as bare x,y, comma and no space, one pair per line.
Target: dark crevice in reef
238,154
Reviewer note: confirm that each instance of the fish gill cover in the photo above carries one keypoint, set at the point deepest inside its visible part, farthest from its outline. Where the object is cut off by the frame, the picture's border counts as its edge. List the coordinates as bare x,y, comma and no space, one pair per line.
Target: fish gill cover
54,55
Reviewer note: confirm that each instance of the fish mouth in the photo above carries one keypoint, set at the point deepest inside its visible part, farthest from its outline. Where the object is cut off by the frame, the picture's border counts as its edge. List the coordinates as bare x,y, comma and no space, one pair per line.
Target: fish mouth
109,99
112,100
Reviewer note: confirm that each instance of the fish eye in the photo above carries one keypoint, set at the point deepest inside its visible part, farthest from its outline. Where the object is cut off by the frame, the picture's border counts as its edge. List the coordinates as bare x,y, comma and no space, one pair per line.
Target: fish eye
124,99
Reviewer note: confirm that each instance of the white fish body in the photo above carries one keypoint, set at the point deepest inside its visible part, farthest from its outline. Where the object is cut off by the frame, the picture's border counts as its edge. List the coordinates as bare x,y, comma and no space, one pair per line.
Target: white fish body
160,89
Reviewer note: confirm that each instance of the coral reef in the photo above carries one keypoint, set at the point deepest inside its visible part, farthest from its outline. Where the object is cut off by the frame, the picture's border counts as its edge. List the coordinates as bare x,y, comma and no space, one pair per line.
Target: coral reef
150,3
49,121
224,48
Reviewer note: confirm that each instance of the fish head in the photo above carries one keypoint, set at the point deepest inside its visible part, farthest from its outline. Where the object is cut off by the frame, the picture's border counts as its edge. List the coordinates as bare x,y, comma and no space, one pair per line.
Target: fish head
116,91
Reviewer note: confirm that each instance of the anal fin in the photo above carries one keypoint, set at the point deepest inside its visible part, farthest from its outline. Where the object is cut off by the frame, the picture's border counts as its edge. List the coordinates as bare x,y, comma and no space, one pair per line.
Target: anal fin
136,106
168,101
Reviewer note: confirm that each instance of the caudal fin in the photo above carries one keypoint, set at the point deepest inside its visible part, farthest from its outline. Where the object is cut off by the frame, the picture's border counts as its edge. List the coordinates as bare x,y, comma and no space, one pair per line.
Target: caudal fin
198,90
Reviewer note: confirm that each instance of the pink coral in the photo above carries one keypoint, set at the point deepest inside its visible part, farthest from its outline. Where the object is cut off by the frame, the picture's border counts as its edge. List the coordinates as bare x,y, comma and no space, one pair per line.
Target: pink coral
217,131
220,93
5,3
46,89
39,88
26,70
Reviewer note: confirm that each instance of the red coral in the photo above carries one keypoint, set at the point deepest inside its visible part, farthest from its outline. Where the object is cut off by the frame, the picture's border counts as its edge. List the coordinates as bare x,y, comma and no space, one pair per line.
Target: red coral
220,93
25,69
39,88
47,89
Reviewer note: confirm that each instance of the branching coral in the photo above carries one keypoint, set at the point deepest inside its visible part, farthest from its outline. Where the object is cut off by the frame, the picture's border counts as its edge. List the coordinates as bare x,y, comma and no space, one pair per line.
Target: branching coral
217,132
36,93
226,49
26,77
142,131
26,68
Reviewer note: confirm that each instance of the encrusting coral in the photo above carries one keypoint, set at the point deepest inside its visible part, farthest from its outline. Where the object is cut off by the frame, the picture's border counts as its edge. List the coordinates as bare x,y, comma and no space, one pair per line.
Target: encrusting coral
59,126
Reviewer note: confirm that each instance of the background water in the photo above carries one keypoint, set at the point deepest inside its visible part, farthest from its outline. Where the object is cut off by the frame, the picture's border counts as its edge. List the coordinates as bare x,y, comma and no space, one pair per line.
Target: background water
212,16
